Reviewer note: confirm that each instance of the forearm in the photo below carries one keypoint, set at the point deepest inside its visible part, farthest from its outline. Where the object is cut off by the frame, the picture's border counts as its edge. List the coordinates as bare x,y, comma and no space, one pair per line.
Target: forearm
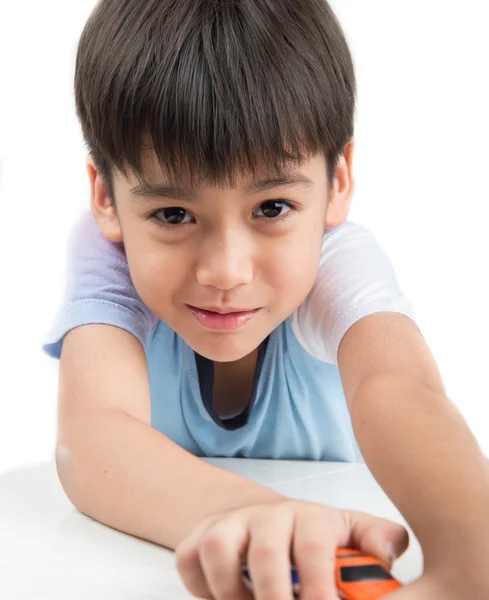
424,456
127,475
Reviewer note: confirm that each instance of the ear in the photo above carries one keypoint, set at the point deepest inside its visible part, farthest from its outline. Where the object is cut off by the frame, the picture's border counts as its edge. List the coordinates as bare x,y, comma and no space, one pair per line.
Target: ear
102,205
343,188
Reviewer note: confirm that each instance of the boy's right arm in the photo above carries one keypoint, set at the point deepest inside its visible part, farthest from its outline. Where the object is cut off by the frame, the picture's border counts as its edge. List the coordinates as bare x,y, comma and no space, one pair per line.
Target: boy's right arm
113,465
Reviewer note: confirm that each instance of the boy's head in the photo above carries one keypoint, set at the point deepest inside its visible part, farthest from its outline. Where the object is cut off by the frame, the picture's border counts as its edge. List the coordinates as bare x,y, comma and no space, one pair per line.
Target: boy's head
241,112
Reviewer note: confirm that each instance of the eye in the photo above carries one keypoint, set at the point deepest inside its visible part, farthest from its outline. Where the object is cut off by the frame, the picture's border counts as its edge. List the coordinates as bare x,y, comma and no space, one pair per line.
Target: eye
174,215
272,209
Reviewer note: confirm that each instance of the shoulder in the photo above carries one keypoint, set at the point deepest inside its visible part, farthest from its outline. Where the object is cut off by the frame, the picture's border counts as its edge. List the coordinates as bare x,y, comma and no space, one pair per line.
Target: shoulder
98,288
347,236
86,242
355,278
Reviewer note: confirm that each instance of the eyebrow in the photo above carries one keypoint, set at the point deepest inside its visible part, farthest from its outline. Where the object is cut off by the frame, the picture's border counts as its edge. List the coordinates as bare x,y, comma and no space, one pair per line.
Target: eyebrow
292,178
148,190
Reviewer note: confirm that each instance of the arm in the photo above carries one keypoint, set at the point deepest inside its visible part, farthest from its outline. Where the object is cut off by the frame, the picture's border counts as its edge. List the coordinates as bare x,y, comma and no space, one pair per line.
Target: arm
112,465
115,468
414,440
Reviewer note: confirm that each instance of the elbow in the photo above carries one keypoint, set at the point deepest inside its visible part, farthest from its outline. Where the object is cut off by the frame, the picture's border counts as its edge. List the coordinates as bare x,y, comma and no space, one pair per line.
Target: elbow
69,476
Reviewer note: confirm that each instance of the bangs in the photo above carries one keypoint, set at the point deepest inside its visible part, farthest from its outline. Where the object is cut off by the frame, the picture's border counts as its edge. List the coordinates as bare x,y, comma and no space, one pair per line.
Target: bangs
216,89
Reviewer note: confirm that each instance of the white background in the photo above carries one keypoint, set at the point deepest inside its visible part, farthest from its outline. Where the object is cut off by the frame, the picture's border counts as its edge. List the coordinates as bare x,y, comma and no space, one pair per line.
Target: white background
421,174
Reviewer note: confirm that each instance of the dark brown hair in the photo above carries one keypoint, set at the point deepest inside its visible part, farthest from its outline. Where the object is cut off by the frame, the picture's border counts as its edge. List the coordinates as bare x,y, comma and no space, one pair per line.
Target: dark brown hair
214,87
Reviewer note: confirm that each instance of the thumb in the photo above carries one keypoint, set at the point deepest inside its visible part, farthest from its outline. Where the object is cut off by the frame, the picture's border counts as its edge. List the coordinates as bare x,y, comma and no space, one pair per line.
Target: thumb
380,538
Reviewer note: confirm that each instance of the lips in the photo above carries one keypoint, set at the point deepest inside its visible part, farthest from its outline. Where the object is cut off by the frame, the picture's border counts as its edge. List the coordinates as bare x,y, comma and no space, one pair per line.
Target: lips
222,319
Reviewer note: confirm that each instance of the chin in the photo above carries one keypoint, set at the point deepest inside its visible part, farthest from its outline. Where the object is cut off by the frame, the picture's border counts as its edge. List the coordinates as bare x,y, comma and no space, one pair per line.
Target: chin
222,347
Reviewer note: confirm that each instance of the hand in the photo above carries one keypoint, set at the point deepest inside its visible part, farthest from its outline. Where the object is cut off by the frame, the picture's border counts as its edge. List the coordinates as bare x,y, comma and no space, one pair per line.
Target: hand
268,537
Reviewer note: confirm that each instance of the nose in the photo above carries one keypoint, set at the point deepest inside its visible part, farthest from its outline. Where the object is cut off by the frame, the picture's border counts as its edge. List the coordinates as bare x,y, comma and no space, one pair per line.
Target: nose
225,261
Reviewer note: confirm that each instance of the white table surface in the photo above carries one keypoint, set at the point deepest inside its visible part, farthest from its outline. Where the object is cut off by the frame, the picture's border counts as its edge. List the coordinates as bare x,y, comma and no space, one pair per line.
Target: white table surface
48,550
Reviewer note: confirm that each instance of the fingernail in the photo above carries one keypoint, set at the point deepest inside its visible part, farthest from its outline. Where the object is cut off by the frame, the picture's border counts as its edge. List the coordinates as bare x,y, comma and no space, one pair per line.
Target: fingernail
390,551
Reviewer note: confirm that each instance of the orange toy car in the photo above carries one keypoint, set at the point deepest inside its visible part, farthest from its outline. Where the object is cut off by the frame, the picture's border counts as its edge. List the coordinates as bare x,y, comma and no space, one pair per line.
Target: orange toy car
362,577
358,576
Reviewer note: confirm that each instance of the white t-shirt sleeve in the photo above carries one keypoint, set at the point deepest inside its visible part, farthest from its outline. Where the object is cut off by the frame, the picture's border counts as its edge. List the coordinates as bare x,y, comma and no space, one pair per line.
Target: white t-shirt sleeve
355,279
99,289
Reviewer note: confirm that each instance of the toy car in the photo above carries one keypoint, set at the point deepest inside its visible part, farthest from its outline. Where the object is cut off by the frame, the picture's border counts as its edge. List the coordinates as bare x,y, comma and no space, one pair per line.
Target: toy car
362,577
358,576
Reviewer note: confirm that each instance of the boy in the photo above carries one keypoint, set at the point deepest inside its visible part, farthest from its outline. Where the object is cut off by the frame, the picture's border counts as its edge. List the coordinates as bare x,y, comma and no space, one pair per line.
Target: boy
221,304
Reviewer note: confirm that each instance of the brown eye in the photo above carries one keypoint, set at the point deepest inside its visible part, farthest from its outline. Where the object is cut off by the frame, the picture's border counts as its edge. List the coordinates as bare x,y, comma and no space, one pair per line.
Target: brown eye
173,216
272,209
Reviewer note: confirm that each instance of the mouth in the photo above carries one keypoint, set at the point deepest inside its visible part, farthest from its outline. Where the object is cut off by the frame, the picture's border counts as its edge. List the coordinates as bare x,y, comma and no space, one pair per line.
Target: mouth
222,319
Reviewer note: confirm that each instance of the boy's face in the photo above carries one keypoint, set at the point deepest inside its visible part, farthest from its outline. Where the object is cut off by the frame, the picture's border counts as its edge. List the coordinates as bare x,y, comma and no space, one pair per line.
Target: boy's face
223,267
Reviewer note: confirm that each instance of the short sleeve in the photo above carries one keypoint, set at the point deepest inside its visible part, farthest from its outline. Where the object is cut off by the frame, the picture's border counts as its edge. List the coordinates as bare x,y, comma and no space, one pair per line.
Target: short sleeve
99,289
355,279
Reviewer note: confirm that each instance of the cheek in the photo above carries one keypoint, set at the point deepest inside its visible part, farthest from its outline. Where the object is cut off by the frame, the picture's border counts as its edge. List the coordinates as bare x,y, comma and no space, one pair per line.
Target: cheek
297,267
156,272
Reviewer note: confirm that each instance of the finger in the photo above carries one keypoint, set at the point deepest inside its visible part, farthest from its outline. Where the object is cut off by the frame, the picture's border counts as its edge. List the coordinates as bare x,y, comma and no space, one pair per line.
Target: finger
188,561
269,554
190,569
316,534
378,537
221,550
